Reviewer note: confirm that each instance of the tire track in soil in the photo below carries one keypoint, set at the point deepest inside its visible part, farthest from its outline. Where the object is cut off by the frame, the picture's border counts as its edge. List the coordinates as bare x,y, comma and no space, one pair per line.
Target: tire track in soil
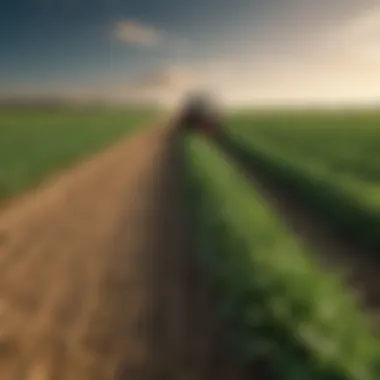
97,273
359,273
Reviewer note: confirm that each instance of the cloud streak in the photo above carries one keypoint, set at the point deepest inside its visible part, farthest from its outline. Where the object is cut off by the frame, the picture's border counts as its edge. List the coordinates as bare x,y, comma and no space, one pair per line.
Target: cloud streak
139,34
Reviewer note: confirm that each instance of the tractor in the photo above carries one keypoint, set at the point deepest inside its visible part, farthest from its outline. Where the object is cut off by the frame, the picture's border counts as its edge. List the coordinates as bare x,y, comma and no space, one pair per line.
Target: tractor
200,114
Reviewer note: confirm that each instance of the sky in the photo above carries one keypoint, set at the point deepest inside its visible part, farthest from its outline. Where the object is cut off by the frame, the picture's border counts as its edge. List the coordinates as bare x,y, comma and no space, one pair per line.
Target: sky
245,51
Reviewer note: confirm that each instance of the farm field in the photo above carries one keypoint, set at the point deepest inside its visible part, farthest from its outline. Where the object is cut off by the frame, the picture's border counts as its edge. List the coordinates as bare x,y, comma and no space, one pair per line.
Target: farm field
317,173
328,161
159,257
343,146
35,143
280,305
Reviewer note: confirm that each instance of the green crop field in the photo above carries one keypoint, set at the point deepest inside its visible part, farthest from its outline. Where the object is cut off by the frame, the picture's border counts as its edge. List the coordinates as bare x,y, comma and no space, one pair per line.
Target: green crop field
35,143
345,146
329,160
278,303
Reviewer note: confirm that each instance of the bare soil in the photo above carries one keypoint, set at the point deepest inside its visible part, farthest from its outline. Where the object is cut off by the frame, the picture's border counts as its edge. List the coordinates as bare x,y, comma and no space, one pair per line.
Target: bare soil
97,279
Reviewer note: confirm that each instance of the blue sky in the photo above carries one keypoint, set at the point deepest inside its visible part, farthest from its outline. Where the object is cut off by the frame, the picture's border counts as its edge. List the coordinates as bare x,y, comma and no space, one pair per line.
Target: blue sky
44,41
255,48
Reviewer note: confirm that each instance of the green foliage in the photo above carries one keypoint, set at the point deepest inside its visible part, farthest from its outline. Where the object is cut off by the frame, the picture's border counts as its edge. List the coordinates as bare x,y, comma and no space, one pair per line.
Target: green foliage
279,305
33,143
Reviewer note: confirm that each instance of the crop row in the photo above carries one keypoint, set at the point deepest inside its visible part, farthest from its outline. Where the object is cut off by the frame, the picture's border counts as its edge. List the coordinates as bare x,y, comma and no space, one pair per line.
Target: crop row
350,207
279,305
343,146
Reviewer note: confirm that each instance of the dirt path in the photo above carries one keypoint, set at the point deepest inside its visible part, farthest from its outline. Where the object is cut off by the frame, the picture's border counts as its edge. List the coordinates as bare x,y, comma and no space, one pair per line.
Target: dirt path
96,277
334,254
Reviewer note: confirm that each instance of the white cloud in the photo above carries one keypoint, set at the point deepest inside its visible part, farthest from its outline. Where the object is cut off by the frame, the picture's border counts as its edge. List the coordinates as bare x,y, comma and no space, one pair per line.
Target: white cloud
136,33
133,32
